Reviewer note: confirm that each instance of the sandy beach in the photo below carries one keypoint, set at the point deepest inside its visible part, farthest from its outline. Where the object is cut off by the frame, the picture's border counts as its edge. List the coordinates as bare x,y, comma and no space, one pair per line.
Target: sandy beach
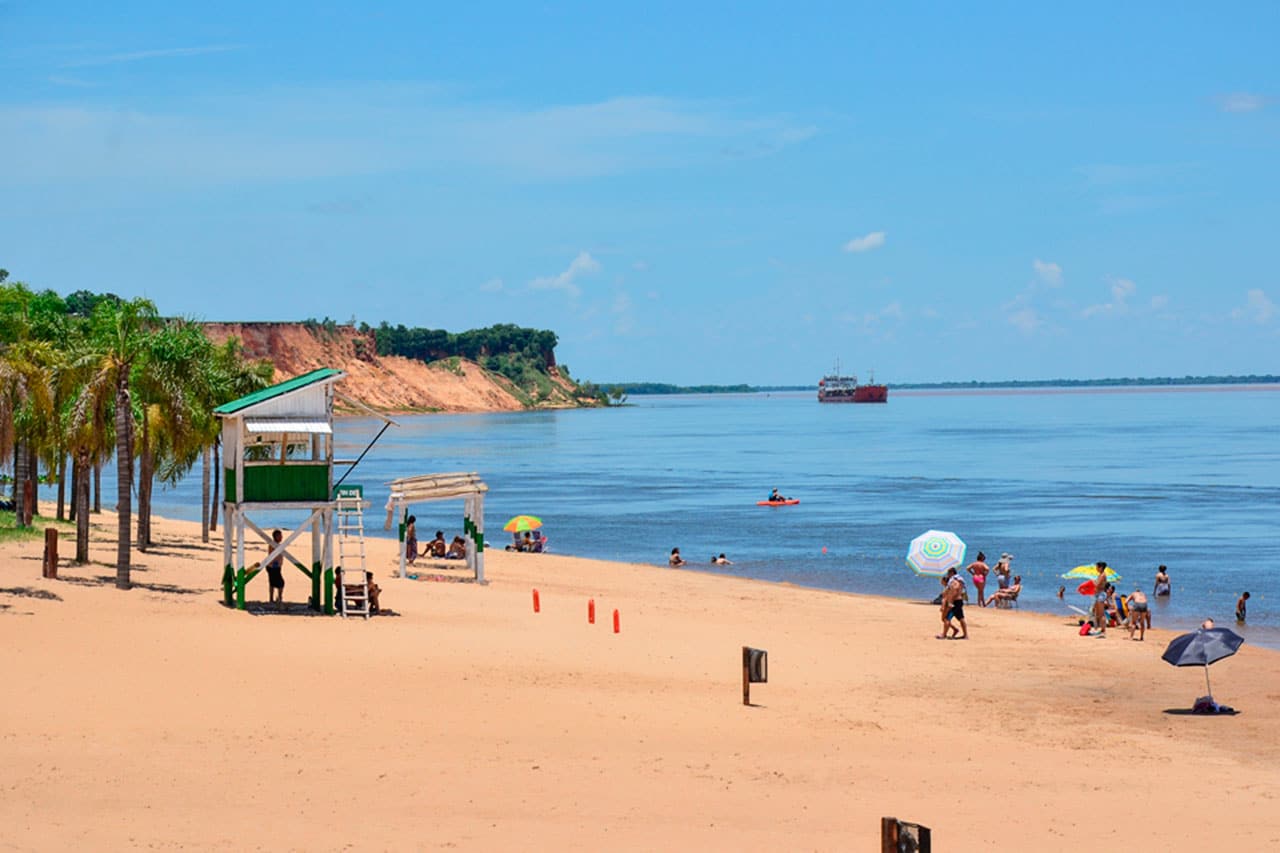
158,717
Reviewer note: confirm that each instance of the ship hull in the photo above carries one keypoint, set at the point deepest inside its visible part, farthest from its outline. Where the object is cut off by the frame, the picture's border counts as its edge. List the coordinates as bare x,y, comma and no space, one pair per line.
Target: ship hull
861,394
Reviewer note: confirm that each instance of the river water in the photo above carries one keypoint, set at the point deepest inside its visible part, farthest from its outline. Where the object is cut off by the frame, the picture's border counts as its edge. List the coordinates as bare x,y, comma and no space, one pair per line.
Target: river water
1137,477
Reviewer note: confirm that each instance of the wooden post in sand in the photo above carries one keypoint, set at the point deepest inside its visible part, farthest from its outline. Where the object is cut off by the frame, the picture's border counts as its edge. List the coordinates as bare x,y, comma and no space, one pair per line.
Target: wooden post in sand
50,569
746,675
893,839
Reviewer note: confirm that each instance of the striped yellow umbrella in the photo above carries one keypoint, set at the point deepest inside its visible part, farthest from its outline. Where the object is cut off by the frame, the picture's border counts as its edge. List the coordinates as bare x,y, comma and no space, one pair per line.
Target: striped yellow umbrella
1089,572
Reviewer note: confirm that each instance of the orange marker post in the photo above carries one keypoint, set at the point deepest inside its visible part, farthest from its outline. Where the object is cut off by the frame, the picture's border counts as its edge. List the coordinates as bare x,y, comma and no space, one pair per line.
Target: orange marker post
617,626
537,605
591,611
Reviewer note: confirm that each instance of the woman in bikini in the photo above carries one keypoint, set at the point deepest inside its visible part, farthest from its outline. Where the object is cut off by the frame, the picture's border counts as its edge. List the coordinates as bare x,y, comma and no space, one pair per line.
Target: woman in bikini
978,568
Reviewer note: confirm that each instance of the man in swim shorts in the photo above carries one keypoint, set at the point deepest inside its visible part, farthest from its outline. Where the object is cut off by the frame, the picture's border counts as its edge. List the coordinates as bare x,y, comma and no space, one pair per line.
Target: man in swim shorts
1242,607
1139,613
953,608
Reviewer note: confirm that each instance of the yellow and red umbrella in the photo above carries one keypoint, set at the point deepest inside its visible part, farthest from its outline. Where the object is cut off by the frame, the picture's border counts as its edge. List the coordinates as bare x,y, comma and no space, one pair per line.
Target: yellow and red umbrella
521,523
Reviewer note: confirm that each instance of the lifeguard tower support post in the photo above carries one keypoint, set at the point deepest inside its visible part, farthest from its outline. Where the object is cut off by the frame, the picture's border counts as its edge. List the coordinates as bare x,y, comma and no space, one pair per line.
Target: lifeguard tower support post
278,447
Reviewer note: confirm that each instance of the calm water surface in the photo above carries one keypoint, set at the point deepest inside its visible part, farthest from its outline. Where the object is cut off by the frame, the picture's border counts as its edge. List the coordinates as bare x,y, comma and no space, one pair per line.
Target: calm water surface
1189,478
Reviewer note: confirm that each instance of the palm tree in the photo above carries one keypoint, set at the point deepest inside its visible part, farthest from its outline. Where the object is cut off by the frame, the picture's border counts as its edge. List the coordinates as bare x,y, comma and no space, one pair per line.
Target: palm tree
119,338
173,377
26,403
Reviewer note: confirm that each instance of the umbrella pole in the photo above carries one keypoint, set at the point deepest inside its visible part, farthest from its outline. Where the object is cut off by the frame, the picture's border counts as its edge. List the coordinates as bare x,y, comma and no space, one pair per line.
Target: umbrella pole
1206,681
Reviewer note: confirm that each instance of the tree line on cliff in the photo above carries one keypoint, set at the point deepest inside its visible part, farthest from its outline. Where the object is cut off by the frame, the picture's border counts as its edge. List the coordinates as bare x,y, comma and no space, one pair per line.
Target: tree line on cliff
88,376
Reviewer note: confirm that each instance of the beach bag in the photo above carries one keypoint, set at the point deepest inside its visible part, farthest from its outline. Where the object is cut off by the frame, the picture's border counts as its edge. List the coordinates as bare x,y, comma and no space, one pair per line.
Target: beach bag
1085,629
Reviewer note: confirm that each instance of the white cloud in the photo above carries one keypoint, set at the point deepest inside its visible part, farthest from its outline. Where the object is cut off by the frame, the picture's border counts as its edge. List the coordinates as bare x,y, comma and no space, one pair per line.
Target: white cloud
283,134
1026,320
1121,290
1257,307
162,53
1047,272
493,285
874,240
1159,303
1241,102
640,266
566,281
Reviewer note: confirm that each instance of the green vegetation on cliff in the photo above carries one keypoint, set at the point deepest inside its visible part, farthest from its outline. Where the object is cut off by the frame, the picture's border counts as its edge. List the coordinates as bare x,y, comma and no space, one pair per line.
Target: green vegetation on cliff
525,358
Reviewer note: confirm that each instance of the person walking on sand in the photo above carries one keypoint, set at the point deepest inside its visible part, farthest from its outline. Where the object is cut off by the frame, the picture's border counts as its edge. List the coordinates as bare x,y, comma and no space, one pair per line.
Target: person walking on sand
953,608
978,568
675,561
1242,607
275,574
1163,586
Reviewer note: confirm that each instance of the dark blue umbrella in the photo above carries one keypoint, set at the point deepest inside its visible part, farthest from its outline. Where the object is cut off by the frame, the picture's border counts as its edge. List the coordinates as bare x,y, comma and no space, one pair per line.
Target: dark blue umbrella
1203,647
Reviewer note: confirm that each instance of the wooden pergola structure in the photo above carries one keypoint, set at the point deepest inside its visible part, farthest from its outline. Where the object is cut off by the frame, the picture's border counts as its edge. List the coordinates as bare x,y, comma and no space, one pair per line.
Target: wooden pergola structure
407,491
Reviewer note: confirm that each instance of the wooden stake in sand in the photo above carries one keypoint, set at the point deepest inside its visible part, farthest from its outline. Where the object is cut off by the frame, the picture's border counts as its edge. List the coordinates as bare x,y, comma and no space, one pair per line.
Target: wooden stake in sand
895,835
755,669
50,569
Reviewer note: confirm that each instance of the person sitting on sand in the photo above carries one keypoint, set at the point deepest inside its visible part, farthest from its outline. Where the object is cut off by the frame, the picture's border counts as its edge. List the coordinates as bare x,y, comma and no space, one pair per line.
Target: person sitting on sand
1139,613
1009,593
457,549
437,547
1242,606
675,560
1163,586
411,539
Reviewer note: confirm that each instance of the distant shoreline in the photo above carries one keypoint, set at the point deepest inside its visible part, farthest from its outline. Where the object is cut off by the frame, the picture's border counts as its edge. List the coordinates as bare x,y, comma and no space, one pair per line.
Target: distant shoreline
645,388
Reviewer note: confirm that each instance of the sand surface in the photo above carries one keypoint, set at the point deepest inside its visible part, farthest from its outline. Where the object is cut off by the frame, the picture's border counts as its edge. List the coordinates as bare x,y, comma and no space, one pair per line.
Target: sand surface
157,717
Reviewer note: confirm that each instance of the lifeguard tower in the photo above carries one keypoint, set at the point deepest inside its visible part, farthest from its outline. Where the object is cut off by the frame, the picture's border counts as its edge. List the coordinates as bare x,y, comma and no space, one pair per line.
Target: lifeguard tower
278,447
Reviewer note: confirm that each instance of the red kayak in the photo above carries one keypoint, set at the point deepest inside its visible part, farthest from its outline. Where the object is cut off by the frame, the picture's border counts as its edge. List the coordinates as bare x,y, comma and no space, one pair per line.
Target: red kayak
788,502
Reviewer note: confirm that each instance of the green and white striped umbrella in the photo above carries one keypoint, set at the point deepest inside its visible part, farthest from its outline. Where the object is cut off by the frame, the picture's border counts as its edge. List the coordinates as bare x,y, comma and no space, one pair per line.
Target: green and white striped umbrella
934,551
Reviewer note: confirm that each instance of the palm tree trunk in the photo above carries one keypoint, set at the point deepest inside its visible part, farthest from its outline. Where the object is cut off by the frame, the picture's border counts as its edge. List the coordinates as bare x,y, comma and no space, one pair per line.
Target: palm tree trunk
80,503
97,487
62,486
206,468
145,474
33,473
217,484
124,479
20,459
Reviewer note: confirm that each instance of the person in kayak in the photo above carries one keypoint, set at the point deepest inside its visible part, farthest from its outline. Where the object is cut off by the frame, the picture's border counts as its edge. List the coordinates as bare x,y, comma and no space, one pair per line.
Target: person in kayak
774,497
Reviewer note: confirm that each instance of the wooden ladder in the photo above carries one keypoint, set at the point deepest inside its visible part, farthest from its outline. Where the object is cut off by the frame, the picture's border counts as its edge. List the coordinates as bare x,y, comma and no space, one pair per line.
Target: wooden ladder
353,578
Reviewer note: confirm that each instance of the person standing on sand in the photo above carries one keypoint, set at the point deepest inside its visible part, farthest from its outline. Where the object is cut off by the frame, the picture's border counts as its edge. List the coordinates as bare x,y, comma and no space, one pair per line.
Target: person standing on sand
978,568
1139,614
1163,586
1100,599
275,574
1003,570
411,539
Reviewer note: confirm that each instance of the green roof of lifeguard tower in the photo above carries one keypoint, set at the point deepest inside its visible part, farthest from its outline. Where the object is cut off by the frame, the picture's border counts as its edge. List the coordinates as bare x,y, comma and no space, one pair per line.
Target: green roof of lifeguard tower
274,391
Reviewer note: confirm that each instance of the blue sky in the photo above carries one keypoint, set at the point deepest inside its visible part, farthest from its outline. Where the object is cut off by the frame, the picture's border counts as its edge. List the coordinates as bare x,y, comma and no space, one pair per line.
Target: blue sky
683,192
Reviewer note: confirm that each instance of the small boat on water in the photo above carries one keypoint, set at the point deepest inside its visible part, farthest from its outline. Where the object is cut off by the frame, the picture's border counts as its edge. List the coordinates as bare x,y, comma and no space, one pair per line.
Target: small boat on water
835,388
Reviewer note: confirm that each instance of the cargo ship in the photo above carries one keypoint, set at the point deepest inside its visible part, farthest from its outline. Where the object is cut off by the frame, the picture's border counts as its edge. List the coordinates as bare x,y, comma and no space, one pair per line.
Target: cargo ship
835,388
